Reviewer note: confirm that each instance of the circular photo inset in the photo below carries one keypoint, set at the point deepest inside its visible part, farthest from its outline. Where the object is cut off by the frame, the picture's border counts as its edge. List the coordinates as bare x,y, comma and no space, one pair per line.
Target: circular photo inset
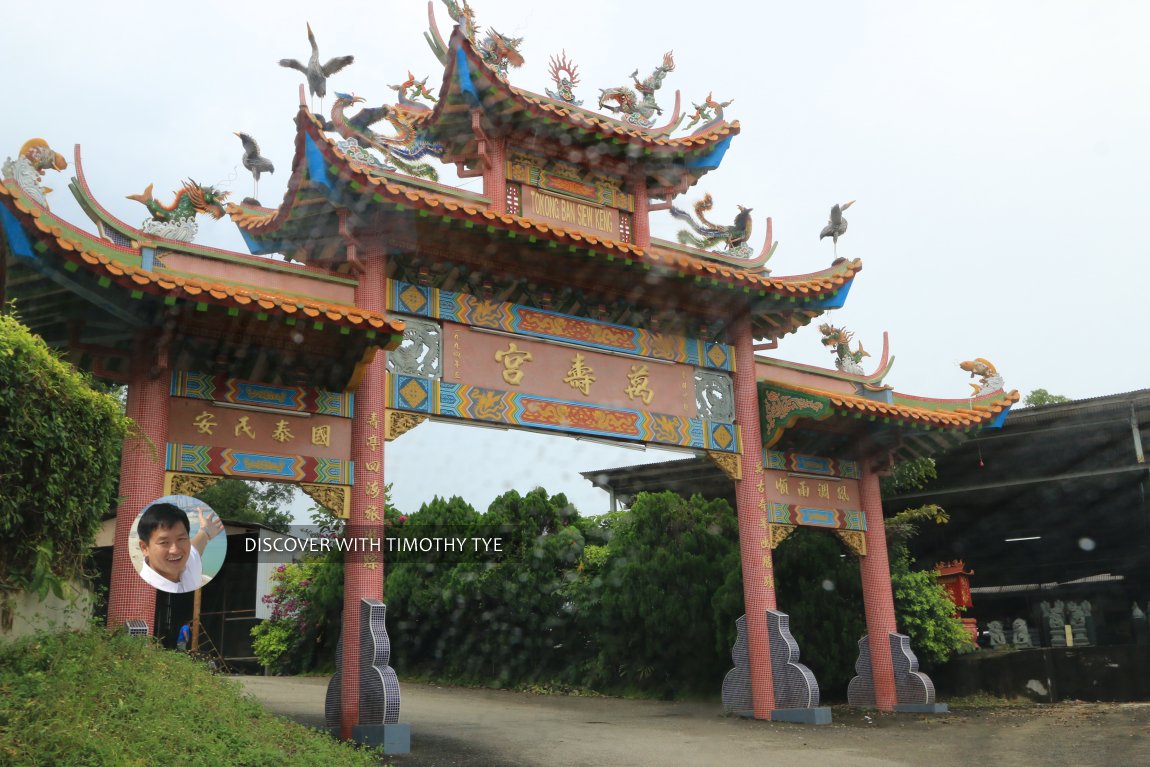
177,544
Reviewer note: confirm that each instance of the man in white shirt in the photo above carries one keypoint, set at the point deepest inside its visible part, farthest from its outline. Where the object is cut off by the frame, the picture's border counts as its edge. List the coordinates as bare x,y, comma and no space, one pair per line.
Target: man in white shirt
171,554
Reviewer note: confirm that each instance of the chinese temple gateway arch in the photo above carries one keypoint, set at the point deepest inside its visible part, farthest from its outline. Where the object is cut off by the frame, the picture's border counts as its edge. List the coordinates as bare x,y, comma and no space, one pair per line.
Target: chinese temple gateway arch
543,303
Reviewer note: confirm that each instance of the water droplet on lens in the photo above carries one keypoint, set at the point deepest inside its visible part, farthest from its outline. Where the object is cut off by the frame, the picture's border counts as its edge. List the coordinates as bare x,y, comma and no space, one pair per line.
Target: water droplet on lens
1086,544
828,585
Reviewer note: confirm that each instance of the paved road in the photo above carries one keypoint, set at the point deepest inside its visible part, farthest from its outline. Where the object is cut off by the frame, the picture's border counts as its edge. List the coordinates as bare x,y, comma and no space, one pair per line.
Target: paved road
455,727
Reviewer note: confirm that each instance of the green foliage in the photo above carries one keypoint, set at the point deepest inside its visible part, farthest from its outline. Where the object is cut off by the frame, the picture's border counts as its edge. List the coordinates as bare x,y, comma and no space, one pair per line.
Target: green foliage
908,476
283,642
240,501
60,443
925,611
658,612
101,699
1040,397
819,586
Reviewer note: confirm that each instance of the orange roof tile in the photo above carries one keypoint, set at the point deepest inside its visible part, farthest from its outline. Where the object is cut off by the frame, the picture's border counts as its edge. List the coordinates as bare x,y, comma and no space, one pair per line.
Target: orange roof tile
135,277
392,187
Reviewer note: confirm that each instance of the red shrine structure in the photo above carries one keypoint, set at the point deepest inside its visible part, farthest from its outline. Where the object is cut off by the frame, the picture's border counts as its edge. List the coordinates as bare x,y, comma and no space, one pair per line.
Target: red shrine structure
541,303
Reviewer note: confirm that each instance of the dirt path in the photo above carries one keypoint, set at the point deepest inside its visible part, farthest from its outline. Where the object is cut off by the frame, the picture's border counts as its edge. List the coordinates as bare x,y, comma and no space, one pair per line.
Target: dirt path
455,727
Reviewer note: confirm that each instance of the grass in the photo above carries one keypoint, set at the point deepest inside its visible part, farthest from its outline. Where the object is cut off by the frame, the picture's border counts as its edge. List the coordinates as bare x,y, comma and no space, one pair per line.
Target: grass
95,698
982,700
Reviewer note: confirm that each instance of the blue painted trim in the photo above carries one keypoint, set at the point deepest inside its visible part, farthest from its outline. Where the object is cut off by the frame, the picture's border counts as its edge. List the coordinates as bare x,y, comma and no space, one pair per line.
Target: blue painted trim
463,72
999,420
18,240
837,301
711,160
316,163
259,247
21,247
148,259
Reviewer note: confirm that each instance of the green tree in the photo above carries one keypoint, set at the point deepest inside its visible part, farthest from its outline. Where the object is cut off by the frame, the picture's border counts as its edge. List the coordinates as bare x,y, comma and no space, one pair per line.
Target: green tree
819,586
925,611
661,607
237,500
1040,397
60,443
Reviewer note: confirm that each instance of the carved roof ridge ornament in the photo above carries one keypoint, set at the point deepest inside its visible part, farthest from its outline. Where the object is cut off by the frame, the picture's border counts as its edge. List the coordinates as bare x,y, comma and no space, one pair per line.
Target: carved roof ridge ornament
872,382
27,170
565,75
707,235
710,113
753,262
989,379
638,106
177,221
498,51
401,151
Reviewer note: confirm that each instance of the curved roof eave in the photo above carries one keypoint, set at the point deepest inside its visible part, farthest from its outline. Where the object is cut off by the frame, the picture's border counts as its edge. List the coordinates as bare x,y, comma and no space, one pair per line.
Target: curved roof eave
114,262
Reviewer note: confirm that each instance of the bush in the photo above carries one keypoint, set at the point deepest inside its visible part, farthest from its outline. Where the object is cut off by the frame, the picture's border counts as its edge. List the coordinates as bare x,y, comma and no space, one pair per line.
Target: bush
60,445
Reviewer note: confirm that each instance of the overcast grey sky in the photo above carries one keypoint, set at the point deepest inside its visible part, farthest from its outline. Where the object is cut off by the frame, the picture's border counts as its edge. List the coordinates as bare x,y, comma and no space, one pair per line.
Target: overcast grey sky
997,150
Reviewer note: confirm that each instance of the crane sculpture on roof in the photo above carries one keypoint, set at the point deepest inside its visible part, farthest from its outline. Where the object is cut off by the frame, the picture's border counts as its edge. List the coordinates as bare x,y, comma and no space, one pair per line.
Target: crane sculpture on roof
255,162
836,225
315,72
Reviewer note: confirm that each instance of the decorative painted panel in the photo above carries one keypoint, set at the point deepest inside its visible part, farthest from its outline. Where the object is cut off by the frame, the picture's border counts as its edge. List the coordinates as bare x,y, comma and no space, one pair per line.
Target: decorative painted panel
810,464
539,323
508,408
490,360
195,421
234,391
201,459
811,491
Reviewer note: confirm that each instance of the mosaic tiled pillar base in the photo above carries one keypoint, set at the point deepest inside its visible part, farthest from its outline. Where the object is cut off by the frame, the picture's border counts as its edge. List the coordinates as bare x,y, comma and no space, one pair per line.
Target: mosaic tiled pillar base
751,503
141,482
379,696
877,598
136,628
363,570
914,689
737,682
795,687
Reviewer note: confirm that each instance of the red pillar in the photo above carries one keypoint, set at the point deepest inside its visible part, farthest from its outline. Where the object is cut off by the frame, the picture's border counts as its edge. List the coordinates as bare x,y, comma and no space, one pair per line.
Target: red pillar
141,482
641,218
363,570
875,566
758,571
495,174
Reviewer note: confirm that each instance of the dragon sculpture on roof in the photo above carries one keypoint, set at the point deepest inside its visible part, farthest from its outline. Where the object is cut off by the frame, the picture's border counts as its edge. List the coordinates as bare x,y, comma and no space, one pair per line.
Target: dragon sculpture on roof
840,338
734,237
499,52
34,159
178,220
401,151
638,108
